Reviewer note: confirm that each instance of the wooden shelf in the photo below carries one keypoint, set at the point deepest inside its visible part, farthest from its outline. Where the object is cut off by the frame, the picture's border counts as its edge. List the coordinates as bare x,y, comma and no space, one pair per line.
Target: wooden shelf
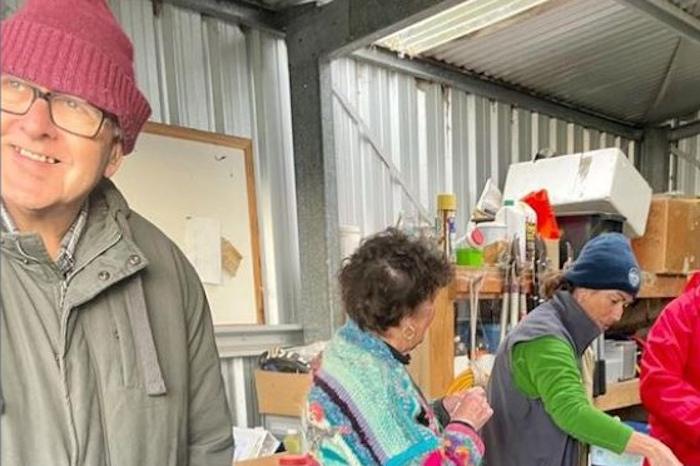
619,395
491,285
655,285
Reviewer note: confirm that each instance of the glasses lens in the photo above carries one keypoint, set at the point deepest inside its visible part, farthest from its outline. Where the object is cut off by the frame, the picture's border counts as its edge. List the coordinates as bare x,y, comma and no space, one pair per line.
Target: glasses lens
75,115
15,96
67,112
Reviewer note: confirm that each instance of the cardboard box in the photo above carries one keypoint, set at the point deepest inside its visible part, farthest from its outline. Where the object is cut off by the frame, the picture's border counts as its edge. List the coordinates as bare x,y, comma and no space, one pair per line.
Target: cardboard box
281,393
671,243
596,181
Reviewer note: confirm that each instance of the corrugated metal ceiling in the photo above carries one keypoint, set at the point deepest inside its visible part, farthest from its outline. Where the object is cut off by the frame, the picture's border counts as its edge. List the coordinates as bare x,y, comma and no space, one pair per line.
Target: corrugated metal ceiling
595,54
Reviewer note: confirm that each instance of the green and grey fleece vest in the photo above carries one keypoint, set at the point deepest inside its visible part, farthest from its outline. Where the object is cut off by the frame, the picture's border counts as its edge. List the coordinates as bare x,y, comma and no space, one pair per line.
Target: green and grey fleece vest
521,433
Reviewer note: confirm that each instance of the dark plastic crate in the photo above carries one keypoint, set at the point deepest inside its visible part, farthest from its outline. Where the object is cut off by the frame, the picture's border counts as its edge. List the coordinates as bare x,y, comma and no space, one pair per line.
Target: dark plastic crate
578,228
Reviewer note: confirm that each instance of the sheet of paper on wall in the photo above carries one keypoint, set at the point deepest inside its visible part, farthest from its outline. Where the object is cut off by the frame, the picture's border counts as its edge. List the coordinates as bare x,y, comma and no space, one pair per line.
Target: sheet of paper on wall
253,443
203,247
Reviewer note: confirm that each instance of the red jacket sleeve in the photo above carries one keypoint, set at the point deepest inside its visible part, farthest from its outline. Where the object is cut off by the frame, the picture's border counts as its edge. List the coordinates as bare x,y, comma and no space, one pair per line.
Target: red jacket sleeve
665,390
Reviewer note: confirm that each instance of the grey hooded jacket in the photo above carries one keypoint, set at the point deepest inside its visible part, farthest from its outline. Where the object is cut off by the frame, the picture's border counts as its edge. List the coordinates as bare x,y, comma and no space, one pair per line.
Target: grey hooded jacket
115,364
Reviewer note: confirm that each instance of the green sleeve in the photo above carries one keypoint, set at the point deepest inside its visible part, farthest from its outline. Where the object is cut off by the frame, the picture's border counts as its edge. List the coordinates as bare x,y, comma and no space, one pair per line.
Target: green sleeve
545,368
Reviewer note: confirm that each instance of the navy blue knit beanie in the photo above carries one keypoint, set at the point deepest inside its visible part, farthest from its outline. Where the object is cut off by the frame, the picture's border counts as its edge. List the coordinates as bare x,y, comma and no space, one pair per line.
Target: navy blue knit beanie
606,263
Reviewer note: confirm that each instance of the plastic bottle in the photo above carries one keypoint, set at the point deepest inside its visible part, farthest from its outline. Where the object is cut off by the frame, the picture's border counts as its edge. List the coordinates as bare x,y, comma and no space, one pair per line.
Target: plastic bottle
521,223
294,455
445,224
530,231
292,441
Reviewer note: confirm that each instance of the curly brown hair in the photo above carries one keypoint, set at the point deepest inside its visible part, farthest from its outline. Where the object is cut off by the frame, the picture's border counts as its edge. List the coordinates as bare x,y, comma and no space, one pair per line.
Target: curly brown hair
388,276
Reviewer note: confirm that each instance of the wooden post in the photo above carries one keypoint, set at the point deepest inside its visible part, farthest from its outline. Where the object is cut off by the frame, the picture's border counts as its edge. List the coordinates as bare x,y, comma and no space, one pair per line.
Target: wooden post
432,363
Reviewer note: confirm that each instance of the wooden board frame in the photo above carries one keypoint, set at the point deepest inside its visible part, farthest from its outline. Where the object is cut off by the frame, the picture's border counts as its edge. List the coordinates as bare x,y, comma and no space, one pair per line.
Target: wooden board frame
246,146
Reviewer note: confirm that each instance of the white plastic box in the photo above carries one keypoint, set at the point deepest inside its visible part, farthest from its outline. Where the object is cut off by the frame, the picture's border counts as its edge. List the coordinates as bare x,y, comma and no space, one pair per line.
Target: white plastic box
596,181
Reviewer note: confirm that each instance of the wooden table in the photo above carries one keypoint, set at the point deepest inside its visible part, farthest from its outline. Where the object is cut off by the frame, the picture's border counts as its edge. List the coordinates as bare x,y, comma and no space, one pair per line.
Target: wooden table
619,395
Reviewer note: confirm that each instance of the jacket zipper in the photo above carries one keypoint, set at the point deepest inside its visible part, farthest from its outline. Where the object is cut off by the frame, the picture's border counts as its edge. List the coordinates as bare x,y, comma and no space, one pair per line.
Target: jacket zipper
65,314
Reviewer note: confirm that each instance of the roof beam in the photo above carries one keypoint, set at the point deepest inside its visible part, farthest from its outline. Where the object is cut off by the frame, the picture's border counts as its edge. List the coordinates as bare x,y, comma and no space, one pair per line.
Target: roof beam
343,26
685,131
476,85
654,159
237,12
669,15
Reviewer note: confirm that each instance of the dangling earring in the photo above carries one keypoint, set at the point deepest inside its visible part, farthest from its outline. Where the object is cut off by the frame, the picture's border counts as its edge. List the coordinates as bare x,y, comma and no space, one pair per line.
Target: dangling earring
408,333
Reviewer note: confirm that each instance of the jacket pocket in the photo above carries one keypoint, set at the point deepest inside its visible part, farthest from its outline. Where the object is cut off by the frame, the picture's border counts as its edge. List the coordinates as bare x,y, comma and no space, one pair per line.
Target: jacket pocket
124,339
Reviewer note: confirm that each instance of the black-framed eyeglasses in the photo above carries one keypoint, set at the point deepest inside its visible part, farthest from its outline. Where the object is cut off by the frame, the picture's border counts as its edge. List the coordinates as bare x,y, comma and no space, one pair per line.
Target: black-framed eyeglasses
70,113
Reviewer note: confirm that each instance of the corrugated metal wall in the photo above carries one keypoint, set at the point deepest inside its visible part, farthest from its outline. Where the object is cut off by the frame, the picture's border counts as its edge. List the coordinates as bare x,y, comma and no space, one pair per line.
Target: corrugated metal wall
687,174
240,389
439,139
203,73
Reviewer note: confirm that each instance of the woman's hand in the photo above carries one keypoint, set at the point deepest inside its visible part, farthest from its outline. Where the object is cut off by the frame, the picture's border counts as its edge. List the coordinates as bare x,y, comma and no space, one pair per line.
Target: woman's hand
470,407
450,402
653,450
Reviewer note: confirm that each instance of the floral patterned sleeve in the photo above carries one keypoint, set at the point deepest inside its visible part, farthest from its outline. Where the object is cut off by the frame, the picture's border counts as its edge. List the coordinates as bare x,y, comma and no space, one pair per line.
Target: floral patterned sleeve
338,435
461,445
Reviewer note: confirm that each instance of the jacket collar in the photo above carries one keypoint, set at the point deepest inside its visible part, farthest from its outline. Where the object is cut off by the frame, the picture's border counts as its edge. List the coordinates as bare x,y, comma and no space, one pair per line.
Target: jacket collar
93,231
106,254
66,254
580,326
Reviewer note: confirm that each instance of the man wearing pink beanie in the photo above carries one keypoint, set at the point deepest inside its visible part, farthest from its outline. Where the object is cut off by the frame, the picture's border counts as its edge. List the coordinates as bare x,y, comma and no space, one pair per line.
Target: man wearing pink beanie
107,350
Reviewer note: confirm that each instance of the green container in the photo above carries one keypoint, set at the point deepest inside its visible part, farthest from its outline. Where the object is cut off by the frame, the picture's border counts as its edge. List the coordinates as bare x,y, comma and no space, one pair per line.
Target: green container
471,257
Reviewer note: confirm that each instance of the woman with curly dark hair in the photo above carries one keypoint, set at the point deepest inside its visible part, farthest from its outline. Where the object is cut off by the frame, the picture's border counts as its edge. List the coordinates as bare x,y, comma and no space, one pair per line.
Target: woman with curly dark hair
363,408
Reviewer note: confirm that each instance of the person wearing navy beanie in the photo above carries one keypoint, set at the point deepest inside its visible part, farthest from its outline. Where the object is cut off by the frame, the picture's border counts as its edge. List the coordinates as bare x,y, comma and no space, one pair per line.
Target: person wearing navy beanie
606,262
542,413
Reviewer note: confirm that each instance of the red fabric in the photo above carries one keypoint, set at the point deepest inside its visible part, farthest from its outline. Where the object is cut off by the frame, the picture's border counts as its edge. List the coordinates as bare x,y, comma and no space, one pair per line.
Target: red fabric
547,226
77,47
670,379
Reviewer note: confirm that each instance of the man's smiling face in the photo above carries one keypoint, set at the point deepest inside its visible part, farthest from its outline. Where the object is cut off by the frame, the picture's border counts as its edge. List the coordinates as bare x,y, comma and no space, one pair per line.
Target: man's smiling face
44,167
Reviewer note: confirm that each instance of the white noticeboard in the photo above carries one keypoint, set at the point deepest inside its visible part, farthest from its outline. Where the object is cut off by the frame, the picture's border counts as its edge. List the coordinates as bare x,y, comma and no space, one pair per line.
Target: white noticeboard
198,188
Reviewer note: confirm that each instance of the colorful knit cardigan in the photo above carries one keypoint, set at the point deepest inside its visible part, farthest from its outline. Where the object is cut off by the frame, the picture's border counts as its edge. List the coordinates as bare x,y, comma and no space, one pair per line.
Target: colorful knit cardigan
364,409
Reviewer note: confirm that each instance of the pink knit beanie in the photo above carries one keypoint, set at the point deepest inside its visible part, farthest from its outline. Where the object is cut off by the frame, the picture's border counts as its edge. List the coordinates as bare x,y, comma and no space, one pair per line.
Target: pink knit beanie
77,47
